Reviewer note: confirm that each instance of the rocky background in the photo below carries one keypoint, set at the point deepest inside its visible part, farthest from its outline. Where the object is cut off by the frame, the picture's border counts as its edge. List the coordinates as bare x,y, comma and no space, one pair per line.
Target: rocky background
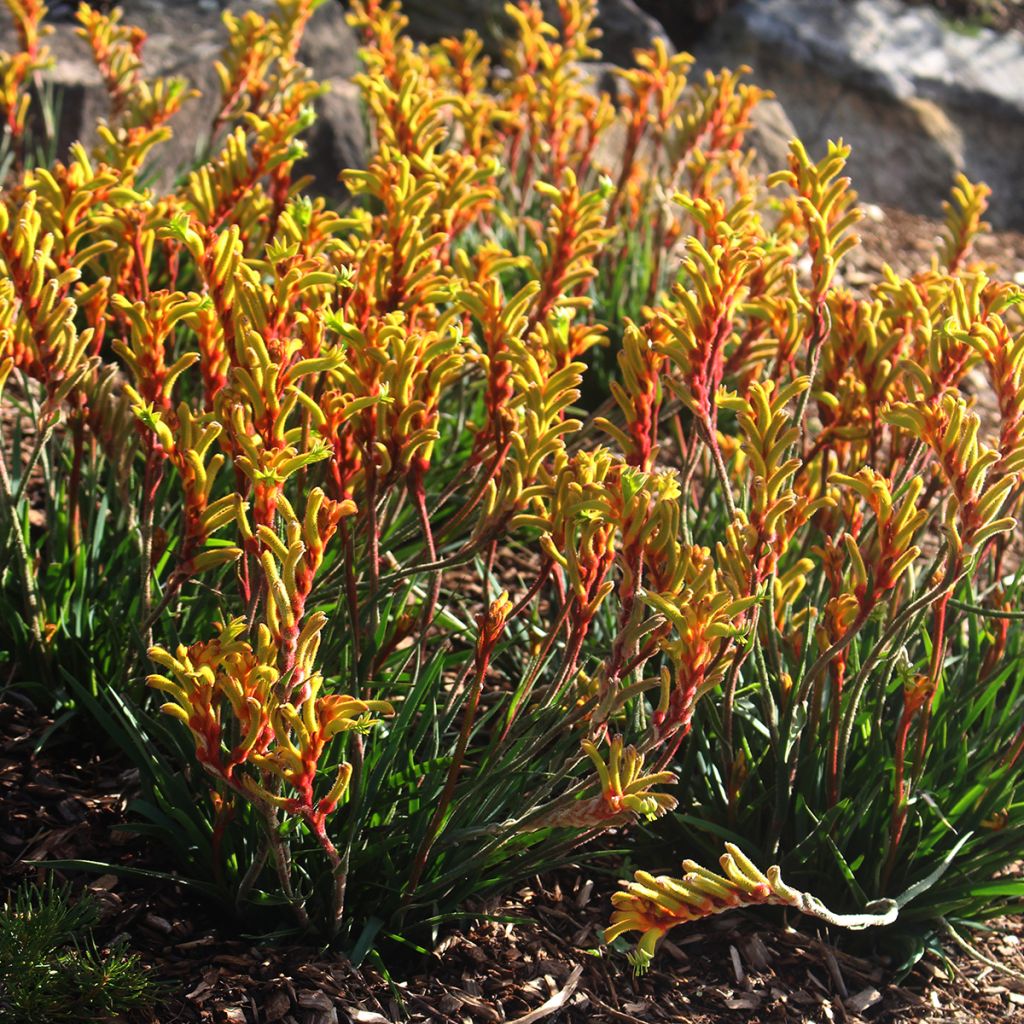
918,94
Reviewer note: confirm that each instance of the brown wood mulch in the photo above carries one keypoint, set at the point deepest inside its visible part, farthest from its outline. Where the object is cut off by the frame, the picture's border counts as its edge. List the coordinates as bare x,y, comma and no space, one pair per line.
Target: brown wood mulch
66,801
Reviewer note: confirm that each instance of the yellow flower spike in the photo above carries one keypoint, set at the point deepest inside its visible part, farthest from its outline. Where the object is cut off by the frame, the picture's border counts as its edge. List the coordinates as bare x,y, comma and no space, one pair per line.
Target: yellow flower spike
701,886
257,793
286,755
952,435
592,752
860,573
168,660
215,558
310,530
176,711
900,566
288,568
641,783
614,785
908,518
220,512
826,205
963,215
254,709
150,417
333,796
280,599
737,865
168,686
310,406
295,722
308,642
676,898
270,540
253,392
665,693
623,790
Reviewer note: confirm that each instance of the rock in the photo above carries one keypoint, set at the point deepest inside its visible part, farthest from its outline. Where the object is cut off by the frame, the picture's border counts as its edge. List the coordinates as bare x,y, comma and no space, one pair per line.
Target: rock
185,37
917,100
328,46
624,26
337,140
770,133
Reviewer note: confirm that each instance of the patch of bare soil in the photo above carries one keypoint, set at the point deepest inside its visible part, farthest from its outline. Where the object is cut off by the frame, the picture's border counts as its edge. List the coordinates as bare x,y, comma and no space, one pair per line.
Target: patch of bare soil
906,242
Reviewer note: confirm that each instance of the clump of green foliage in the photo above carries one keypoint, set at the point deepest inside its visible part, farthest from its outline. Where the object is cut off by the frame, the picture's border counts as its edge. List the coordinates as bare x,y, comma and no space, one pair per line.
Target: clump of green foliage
52,972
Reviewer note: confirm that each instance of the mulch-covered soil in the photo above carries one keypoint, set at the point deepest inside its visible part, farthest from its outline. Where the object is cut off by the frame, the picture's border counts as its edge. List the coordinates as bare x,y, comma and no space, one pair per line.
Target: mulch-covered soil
67,800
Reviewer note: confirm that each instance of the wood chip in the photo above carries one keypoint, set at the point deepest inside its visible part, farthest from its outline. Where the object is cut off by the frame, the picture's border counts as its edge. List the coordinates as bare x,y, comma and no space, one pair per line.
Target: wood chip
555,1003
328,1017
583,896
865,998
314,1001
743,1001
157,923
837,975
276,1006
737,965
757,953
636,1007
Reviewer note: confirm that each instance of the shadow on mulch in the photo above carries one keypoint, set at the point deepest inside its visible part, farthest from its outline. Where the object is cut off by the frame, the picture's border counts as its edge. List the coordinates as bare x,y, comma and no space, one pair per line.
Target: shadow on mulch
68,800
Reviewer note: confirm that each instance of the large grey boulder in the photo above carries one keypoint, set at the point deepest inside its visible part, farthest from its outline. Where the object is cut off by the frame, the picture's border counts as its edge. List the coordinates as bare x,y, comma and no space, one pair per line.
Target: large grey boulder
917,100
185,37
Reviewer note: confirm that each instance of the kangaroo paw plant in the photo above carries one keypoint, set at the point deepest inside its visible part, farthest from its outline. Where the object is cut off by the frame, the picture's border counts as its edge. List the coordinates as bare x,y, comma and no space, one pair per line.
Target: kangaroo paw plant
552,484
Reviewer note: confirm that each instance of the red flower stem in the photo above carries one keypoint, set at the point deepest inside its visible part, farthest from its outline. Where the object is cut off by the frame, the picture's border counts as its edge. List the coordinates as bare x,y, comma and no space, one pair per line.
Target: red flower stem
282,863
670,751
419,498
531,681
373,533
728,711
646,653
545,571
75,480
351,594
466,509
569,663
938,653
899,806
152,475
710,438
833,754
